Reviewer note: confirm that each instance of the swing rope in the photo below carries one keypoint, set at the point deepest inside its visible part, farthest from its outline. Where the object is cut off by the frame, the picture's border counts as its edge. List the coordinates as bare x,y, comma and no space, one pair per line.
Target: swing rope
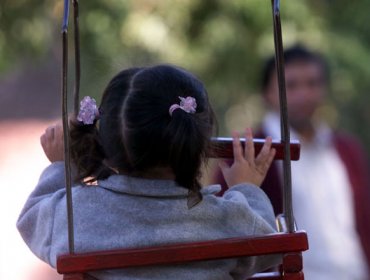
284,123
65,119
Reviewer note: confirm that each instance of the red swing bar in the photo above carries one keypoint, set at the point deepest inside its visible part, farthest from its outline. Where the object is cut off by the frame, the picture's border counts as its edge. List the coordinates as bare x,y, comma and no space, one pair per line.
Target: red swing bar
186,252
222,147
289,243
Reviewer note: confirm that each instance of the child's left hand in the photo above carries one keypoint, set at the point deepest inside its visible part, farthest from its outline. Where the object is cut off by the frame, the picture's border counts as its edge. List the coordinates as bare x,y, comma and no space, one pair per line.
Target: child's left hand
246,167
53,143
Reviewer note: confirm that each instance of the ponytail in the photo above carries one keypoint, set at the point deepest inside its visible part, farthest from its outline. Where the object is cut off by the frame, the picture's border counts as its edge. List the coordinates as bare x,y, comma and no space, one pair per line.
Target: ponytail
87,152
187,150
98,152
155,135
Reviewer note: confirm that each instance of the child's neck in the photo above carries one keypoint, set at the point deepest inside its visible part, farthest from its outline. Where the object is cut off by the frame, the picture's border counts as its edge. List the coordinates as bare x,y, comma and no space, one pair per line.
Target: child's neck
159,172
164,173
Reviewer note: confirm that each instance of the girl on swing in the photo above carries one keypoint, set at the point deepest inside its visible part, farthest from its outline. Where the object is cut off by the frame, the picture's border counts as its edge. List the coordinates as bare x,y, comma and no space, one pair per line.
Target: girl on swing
137,162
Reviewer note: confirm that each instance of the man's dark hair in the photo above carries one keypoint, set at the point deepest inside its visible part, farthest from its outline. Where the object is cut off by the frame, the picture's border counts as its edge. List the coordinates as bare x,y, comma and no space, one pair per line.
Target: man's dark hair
296,53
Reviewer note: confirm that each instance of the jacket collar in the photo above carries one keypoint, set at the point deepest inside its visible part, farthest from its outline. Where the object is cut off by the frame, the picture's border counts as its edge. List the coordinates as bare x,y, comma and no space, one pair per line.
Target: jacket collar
149,187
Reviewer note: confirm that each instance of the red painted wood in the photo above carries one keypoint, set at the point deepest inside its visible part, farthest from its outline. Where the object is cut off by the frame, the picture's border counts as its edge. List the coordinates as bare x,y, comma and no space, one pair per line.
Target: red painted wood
293,262
293,276
223,148
74,276
267,276
78,276
258,276
291,269
178,253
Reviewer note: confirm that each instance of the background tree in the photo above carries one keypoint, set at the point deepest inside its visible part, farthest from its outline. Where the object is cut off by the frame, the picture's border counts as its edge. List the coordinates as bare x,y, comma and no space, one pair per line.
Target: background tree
223,42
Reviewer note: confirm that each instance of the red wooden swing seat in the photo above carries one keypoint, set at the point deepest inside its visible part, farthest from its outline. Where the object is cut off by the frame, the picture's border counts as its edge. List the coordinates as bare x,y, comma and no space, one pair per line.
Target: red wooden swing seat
76,266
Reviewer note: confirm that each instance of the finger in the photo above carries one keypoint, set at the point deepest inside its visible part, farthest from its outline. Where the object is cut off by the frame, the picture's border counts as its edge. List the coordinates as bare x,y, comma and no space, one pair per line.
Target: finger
271,157
58,131
43,139
267,163
223,165
249,147
237,147
265,151
50,132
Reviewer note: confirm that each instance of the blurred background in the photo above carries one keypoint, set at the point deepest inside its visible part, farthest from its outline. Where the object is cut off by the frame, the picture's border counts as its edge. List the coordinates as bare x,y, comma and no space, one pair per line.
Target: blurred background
223,42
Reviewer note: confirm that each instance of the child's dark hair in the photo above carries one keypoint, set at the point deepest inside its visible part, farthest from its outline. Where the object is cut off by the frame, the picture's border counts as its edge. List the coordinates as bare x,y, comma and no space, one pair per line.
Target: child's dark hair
296,53
98,152
136,131
152,137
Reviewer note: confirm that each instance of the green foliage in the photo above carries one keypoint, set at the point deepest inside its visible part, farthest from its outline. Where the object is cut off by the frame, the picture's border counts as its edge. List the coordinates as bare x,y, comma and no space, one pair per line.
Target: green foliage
223,42
24,31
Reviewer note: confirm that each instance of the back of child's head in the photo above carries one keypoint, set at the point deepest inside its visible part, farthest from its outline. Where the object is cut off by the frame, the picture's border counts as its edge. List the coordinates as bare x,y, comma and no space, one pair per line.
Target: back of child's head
96,149
137,131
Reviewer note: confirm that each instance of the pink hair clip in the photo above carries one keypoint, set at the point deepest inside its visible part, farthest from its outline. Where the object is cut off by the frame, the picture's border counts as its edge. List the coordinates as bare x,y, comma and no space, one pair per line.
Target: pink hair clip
89,112
188,104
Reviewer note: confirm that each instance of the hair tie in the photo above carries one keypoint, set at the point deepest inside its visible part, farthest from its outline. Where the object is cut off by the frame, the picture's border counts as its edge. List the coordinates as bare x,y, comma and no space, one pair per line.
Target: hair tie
89,112
188,104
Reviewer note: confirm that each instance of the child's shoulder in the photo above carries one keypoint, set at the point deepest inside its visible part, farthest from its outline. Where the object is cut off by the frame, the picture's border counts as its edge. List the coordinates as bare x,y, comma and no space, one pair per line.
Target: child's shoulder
211,189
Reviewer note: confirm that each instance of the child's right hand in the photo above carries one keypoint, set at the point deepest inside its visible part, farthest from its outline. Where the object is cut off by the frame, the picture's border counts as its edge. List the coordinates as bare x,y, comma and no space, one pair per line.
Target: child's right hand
52,142
246,168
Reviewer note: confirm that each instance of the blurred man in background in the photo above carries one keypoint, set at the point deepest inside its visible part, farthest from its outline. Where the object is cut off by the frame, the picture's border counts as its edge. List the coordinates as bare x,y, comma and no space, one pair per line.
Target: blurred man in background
331,187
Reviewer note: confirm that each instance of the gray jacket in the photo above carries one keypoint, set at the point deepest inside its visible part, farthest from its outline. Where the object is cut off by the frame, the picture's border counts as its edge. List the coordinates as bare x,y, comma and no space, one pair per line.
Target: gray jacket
123,212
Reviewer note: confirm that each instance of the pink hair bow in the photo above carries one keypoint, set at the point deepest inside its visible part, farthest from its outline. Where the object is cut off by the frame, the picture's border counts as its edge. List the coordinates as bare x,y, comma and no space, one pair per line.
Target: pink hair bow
188,104
89,112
